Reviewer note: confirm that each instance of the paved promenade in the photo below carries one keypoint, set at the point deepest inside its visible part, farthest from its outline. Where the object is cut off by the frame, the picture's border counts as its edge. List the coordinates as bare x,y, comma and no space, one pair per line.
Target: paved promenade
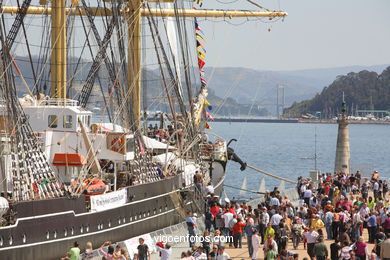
242,253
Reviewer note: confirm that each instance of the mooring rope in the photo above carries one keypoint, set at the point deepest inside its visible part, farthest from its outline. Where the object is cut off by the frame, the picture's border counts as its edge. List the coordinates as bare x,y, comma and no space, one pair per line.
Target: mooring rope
270,174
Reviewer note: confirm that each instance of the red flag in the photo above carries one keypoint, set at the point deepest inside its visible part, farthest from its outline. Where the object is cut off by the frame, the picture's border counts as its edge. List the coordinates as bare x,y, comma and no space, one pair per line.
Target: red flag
201,63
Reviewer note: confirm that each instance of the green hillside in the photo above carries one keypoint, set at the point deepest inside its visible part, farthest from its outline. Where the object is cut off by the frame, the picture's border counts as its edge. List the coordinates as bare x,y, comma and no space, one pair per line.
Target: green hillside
364,89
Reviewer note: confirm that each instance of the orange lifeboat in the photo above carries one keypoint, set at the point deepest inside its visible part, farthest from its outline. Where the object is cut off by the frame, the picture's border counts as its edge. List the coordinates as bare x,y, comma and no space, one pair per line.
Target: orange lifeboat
93,186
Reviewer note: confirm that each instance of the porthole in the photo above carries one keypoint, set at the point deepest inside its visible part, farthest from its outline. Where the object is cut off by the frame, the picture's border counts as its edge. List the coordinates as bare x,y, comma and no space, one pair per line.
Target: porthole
11,240
55,234
71,231
81,229
47,234
24,238
65,232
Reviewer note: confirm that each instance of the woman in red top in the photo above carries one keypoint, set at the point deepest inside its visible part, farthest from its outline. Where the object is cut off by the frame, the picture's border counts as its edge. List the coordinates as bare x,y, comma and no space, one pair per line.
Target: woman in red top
237,233
214,210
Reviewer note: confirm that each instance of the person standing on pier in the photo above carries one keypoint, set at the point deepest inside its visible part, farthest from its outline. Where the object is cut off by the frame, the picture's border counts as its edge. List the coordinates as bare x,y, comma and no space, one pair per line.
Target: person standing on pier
320,250
263,222
275,220
311,238
143,250
191,224
249,231
165,252
255,241
237,233
371,225
227,219
222,255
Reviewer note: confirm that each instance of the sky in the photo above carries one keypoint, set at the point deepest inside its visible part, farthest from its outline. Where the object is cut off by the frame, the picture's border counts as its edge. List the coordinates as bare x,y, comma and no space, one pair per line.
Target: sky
316,34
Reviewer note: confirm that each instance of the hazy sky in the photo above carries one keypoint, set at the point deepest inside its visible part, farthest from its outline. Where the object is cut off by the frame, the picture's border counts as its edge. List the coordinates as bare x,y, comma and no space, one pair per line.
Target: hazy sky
316,34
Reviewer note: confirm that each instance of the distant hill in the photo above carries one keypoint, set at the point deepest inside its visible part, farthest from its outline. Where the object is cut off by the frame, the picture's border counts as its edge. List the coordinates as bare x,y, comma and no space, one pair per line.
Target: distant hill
365,89
151,85
247,86
233,91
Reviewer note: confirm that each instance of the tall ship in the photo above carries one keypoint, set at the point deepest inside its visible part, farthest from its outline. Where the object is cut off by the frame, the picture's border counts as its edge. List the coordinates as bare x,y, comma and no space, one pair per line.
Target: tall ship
77,167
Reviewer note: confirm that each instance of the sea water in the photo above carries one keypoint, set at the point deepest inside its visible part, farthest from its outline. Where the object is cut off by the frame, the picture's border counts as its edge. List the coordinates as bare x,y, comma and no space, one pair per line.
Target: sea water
288,150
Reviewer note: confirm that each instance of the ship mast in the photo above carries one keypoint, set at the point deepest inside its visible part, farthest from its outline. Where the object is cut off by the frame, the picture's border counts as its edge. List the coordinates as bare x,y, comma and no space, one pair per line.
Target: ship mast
58,55
134,11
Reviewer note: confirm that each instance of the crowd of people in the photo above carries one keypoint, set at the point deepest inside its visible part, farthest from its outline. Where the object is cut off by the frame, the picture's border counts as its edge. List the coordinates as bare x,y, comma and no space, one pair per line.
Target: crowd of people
338,207
160,134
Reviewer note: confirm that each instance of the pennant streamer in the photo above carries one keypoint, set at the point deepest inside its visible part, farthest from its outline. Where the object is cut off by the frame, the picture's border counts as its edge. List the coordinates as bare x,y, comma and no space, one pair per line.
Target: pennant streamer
201,51
207,126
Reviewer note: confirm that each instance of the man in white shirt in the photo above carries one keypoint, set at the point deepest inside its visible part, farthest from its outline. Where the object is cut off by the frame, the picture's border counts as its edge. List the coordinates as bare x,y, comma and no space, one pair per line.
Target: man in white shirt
222,255
199,255
357,221
275,220
311,238
376,189
165,252
274,202
227,219
364,211
307,195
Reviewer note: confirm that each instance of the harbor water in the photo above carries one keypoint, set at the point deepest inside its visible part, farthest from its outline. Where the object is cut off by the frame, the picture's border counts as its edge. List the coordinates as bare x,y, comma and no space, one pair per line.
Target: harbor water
288,150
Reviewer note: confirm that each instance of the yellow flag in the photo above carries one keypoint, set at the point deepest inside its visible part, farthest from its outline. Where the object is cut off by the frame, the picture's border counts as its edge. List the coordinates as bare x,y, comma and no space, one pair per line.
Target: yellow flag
200,53
207,126
206,103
